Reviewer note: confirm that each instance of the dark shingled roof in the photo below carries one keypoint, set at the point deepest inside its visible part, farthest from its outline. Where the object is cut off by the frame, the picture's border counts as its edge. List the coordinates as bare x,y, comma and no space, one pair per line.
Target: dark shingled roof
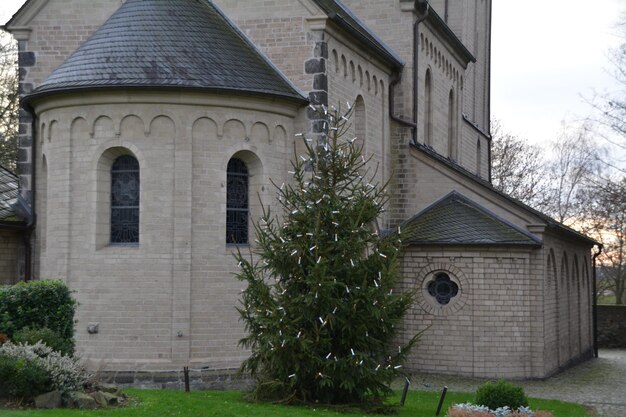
456,220
178,44
343,17
8,195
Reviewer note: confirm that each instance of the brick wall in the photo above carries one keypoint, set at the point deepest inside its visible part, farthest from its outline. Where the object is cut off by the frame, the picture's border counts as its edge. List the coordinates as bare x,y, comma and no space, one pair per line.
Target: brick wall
612,326
171,299
11,244
487,329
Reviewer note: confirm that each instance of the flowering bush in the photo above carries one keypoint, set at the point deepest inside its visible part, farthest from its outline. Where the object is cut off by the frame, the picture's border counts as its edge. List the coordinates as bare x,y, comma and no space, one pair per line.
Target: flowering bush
66,373
473,410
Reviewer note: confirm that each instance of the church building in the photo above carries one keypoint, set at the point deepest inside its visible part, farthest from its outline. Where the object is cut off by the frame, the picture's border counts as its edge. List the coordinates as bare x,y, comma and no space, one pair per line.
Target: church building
149,127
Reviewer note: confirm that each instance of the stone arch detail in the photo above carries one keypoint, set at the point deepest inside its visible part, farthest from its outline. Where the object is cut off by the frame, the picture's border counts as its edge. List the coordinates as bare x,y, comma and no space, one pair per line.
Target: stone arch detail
234,129
103,127
564,313
428,108
132,126
575,309
162,126
360,124
280,134
260,133
551,319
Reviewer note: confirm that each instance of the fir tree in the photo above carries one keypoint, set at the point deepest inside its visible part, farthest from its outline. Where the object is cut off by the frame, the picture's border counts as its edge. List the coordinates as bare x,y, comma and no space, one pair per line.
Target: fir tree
320,308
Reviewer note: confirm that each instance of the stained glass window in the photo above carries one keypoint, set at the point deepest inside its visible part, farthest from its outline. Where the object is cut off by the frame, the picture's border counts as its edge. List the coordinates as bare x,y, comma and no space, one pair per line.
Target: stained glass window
442,288
125,200
237,202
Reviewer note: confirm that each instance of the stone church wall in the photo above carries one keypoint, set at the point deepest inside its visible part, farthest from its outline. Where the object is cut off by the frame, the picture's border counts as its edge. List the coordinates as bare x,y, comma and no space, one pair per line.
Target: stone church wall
170,300
567,303
10,244
52,35
488,329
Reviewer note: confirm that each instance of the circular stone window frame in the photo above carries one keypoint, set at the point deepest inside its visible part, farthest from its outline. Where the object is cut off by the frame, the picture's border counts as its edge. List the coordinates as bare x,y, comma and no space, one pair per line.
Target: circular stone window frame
428,303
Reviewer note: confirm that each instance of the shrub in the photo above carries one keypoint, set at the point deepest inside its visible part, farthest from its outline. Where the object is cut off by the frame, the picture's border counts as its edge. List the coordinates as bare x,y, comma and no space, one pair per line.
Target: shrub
38,304
22,379
501,394
66,373
3,338
49,337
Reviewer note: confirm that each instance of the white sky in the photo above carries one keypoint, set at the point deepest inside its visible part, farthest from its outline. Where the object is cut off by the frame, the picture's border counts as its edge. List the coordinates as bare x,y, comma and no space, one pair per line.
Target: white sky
546,56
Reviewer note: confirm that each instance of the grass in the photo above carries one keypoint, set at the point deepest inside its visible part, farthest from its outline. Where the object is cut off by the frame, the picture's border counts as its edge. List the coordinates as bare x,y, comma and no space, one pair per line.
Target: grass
156,403
606,299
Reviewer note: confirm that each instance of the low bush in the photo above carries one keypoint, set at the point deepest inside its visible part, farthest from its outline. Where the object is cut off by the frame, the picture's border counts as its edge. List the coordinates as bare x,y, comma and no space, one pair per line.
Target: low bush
22,379
45,335
37,305
501,394
66,373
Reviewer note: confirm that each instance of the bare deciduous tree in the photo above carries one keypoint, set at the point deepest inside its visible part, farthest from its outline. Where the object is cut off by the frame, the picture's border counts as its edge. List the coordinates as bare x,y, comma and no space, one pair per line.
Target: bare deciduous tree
518,168
605,219
9,102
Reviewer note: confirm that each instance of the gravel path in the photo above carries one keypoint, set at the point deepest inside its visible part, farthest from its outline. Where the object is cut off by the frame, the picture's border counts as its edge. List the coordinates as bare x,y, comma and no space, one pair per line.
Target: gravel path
598,383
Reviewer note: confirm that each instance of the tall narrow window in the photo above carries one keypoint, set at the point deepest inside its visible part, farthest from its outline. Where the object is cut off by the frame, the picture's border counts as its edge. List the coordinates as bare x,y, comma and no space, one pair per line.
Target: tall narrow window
451,126
428,110
237,202
125,200
479,159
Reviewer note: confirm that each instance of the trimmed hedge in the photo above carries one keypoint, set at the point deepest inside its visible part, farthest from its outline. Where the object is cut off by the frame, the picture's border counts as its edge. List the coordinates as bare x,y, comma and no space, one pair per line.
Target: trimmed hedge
36,305
501,394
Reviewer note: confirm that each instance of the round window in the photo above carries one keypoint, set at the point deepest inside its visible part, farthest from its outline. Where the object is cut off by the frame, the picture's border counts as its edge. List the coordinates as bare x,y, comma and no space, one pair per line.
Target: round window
442,288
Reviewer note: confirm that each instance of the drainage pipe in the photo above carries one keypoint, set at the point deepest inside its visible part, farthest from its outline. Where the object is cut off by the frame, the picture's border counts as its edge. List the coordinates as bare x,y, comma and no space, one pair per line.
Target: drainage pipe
422,7
595,303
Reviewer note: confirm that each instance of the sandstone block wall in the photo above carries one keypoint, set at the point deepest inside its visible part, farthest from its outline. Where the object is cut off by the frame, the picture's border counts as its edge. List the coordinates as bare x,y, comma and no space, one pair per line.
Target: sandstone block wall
487,329
170,300
11,244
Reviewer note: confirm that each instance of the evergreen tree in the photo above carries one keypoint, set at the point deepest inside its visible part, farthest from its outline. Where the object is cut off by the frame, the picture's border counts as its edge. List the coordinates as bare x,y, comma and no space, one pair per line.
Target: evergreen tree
320,307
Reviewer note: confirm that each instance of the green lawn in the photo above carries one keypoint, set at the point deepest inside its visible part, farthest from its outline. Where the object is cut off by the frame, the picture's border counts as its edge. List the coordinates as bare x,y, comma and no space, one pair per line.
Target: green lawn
153,403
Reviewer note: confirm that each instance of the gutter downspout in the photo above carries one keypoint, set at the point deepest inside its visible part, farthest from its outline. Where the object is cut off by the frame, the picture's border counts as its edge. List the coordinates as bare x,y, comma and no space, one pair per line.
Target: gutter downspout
419,4
28,272
595,305
489,156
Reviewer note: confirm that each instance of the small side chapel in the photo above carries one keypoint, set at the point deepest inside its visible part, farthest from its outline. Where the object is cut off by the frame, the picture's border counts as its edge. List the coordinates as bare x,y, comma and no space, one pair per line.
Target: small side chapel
148,128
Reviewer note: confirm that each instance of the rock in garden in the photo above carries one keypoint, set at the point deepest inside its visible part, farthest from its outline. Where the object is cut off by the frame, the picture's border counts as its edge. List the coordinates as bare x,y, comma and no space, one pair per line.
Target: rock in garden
84,401
48,400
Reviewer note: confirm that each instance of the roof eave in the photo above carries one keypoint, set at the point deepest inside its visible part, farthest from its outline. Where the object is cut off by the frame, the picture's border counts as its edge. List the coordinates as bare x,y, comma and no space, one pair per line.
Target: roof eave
440,25
474,244
36,95
387,56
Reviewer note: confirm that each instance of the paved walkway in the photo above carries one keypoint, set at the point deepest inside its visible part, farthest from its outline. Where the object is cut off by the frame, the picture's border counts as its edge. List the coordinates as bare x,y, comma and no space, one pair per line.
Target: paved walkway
598,383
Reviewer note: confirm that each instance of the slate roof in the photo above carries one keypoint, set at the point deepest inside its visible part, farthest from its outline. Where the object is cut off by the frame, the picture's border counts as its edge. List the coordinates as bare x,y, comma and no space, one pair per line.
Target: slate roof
344,18
181,44
456,220
551,223
8,195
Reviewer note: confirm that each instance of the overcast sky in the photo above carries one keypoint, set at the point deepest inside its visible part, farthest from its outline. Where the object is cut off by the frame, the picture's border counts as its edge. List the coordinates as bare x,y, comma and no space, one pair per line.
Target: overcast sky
546,57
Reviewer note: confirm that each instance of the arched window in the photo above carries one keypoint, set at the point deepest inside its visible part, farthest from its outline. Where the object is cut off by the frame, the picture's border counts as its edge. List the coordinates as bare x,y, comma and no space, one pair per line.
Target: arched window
479,159
428,110
237,206
125,200
451,126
